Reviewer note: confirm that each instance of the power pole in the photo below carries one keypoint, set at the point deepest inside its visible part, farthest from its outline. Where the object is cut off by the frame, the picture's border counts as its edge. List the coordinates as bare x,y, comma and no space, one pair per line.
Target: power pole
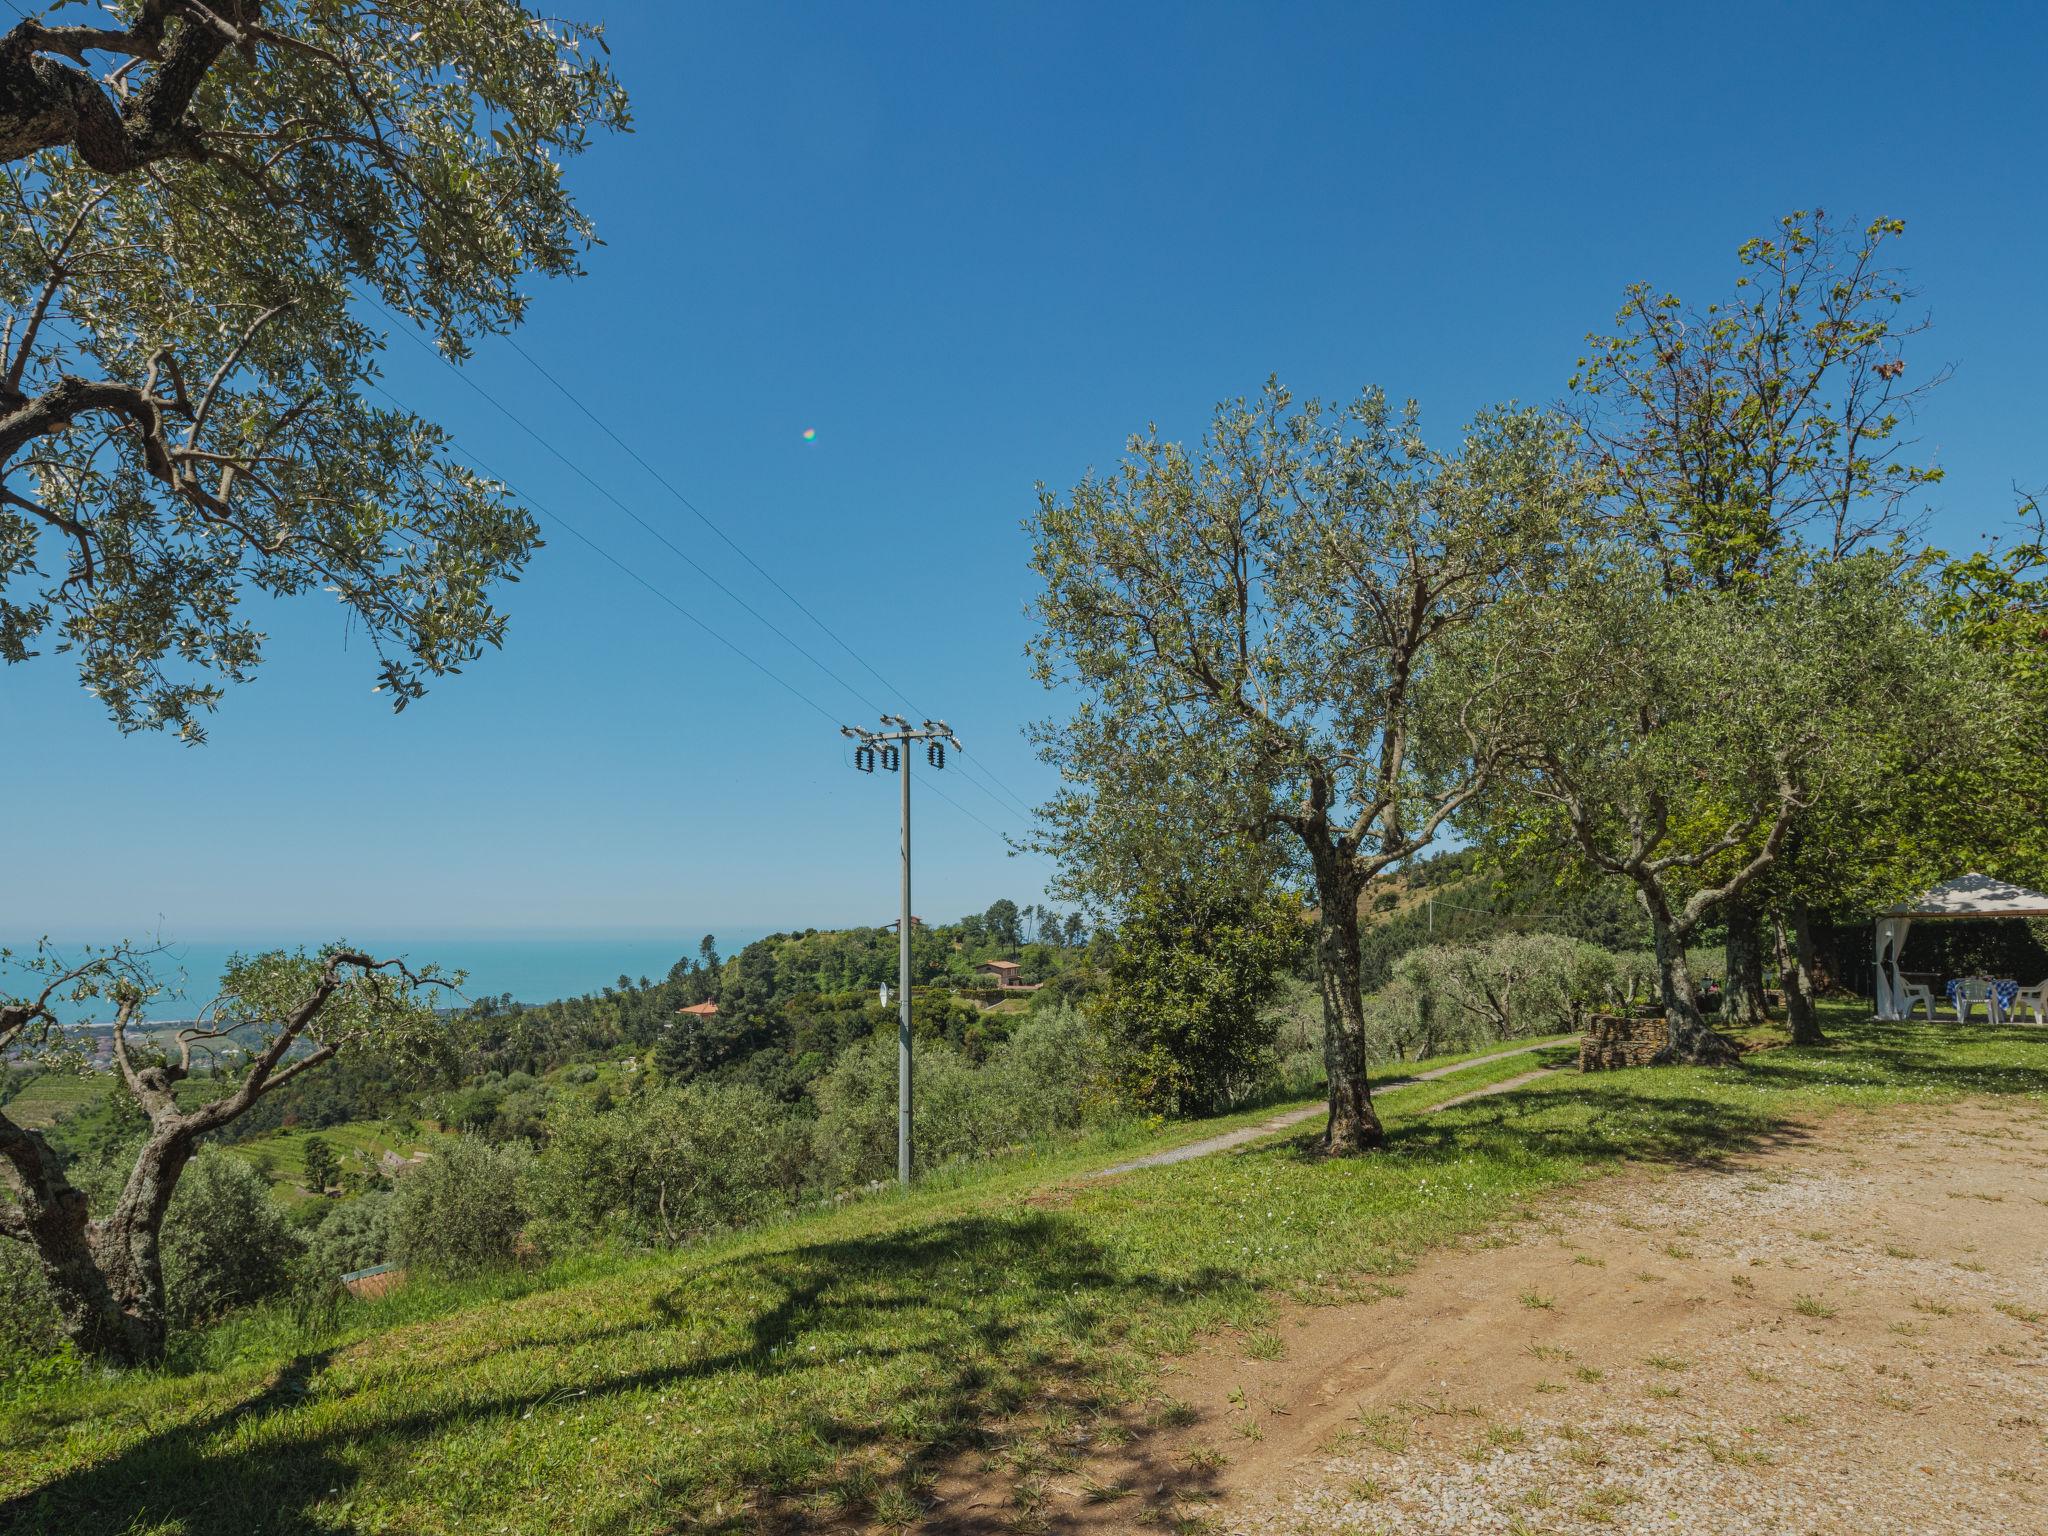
891,747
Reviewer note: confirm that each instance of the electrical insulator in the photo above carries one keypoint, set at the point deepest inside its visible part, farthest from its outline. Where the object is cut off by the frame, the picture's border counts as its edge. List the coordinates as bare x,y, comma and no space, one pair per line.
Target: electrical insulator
864,759
891,759
935,754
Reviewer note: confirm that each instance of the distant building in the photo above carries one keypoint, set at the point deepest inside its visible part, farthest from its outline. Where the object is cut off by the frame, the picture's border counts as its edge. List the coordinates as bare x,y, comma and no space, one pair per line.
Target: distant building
700,1010
1004,973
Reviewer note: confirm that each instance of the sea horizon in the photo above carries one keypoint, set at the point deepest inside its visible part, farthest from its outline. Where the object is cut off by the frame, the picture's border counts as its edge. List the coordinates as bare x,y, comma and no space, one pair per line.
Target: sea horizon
530,967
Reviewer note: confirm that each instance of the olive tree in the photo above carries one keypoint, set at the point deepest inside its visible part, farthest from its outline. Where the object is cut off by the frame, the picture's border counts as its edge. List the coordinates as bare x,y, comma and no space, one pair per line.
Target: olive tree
279,1015
202,207
1672,738
1761,433
1249,631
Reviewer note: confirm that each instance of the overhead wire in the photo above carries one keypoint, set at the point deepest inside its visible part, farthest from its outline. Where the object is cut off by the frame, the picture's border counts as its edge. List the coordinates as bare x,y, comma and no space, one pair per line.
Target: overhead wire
510,415
733,544
404,328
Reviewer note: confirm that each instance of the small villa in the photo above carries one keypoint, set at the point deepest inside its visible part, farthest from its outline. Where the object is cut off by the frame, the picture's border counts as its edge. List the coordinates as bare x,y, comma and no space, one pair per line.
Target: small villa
1004,973
699,1011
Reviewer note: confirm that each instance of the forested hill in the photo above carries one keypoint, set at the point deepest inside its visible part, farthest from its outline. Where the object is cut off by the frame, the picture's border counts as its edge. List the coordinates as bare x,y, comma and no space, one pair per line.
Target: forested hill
1457,898
787,1006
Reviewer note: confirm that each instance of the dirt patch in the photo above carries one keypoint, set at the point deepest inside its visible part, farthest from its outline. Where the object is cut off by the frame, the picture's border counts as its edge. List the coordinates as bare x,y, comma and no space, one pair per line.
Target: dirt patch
1844,1332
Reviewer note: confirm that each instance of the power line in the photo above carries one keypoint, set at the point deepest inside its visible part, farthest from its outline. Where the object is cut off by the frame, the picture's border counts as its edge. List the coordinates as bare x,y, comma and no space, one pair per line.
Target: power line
555,517
588,479
705,518
611,559
672,547
762,667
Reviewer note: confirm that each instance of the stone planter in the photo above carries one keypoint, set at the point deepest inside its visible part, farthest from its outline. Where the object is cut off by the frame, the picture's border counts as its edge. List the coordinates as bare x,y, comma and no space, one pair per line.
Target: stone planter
1617,1042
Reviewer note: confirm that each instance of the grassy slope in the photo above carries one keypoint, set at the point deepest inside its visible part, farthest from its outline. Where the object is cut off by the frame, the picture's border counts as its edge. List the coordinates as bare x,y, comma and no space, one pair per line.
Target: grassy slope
822,1365
357,1145
51,1097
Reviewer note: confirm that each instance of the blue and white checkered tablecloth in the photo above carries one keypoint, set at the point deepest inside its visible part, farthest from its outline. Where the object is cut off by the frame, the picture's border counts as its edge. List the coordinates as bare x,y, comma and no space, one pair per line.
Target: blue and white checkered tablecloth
2004,991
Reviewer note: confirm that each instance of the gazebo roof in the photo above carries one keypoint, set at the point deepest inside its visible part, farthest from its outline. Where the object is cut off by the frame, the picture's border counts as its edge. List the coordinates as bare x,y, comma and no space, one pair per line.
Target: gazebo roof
1973,896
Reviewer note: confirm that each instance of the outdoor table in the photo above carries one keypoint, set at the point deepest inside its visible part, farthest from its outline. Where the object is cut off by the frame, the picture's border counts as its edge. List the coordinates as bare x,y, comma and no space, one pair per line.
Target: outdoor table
1998,994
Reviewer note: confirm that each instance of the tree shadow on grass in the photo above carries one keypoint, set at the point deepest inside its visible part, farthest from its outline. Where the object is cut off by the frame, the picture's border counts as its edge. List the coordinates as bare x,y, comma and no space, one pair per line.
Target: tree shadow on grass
967,1319
72,1503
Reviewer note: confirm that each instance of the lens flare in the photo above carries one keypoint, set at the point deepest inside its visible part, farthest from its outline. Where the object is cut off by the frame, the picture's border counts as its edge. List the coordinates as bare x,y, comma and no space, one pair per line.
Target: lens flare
810,434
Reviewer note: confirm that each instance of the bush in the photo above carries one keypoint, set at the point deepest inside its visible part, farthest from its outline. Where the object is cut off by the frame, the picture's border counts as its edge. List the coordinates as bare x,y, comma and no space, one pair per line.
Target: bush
1187,979
667,1165
1297,1014
462,1210
226,1242
1047,1077
28,1315
357,1234
959,1111
1050,1074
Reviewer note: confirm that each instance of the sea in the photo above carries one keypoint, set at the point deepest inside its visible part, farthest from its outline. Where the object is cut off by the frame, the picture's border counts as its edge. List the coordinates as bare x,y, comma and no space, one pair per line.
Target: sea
531,969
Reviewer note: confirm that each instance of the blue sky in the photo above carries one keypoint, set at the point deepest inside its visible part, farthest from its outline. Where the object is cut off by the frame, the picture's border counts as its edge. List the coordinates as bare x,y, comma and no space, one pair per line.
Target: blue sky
973,247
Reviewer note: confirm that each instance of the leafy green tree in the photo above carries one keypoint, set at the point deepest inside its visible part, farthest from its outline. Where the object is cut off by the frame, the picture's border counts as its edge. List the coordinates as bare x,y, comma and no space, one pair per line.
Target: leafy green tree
1744,441
107,1272
198,204
321,1168
1005,923
1251,630
1187,977
1672,738
669,1166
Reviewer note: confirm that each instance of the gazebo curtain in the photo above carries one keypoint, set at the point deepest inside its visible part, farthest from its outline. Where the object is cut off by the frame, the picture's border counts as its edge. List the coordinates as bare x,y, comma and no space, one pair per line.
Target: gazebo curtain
1890,986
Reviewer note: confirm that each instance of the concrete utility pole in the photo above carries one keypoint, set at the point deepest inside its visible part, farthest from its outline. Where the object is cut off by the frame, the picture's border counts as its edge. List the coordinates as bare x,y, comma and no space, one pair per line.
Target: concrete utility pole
892,749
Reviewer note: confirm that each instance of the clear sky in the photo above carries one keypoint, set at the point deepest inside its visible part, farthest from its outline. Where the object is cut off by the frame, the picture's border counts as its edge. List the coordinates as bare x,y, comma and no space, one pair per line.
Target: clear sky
973,247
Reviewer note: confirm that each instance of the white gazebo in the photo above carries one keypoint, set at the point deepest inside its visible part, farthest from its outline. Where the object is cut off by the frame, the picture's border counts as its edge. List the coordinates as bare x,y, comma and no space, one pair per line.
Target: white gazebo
1967,896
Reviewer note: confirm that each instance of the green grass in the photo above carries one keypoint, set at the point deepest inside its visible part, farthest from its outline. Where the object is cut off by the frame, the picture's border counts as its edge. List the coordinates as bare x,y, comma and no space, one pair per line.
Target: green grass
824,1366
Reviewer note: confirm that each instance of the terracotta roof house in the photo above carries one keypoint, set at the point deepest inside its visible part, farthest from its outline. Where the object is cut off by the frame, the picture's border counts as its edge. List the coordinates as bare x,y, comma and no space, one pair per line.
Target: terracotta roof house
1004,974
700,1010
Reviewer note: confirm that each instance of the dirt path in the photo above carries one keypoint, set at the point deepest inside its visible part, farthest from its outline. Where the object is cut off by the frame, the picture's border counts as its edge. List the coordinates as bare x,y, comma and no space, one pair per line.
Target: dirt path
1292,1117
1843,1333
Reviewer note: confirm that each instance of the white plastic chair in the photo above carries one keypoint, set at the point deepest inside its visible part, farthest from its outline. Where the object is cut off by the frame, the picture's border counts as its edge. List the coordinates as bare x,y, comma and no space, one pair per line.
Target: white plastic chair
2032,1000
1973,991
1913,995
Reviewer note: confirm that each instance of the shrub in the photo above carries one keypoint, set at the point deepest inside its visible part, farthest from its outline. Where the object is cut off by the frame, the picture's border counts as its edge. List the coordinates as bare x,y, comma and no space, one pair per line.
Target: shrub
462,1210
357,1234
226,1242
1050,1074
1187,979
959,1111
28,1315
667,1165
1297,1015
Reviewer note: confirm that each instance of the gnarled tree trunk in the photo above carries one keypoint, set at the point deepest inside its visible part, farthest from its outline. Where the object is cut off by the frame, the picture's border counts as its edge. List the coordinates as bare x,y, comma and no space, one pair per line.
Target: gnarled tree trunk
106,1276
1693,1041
1354,1125
1745,1000
1795,968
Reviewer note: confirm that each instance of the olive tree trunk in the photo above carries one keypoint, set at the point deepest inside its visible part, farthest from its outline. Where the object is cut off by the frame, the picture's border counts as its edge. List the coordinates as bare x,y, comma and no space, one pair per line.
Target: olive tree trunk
1795,968
1693,1042
106,1276
1354,1124
1745,1000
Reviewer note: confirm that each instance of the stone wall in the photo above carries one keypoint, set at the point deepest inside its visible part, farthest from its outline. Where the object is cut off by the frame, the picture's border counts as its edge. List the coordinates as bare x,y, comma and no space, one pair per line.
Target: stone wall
1613,1042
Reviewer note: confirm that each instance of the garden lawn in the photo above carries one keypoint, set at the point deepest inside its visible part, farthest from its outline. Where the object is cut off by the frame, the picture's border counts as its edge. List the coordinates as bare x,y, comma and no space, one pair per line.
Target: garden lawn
824,1368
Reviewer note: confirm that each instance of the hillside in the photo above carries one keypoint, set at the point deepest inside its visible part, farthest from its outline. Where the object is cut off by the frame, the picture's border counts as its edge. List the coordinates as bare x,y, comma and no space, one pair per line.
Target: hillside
842,1367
